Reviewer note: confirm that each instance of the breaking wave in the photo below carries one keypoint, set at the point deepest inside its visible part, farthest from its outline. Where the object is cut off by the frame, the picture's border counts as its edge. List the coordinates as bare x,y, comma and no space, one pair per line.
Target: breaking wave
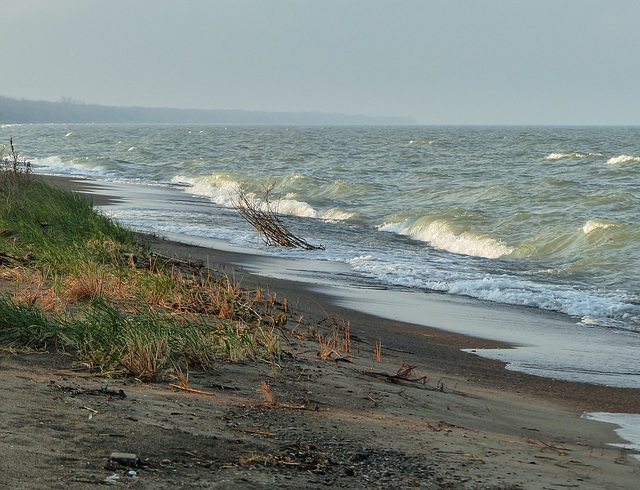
439,233
56,166
622,159
337,214
568,156
222,188
596,224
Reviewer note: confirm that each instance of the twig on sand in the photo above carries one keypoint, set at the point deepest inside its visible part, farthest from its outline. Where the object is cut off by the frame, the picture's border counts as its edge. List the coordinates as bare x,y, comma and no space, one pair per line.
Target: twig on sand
405,371
185,388
257,432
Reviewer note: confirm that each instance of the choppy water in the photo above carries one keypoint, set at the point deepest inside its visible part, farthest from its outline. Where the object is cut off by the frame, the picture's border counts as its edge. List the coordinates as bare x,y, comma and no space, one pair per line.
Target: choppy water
542,216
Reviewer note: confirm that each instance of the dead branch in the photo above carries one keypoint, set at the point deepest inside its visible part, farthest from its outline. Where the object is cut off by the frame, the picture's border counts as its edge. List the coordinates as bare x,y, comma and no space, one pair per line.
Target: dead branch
267,221
405,371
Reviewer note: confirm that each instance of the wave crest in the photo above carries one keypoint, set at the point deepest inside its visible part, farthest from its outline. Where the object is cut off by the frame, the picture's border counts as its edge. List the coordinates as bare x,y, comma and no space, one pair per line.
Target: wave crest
337,214
622,159
78,166
439,234
595,224
222,188
566,156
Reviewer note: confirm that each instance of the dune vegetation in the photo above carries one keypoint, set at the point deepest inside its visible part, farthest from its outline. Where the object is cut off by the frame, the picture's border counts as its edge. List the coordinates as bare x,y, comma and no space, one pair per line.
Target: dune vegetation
72,279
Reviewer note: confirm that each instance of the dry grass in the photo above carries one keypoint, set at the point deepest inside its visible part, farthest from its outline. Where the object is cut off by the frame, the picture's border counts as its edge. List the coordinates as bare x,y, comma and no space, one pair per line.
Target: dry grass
266,389
181,375
13,163
337,343
254,459
377,350
125,310
143,360
180,291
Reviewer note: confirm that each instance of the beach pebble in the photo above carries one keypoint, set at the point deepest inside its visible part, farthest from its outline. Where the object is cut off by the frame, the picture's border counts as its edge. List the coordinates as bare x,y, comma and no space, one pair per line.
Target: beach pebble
127,459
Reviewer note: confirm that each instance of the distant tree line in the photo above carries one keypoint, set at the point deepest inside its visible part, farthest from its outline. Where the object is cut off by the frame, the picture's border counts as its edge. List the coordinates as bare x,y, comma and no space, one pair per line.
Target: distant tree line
20,111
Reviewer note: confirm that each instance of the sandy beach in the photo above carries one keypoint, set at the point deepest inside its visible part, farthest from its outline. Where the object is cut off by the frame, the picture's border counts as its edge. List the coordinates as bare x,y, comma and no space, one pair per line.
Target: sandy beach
451,420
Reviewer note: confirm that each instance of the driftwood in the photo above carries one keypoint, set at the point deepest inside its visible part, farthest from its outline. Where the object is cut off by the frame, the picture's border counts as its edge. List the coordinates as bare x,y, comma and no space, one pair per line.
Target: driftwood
267,221
404,373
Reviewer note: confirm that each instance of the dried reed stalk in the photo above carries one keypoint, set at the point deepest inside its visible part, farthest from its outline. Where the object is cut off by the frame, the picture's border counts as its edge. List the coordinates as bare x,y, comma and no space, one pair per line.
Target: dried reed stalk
192,390
377,350
14,162
266,389
338,343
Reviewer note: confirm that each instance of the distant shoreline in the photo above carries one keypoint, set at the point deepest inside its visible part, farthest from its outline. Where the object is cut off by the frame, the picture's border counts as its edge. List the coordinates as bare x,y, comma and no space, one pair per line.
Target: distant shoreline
14,111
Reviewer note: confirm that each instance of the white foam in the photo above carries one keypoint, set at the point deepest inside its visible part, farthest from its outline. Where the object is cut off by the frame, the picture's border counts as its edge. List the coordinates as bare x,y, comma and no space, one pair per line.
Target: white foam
561,156
391,227
56,166
220,194
628,427
467,243
622,159
223,188
454,277
295,208
596,224
158,222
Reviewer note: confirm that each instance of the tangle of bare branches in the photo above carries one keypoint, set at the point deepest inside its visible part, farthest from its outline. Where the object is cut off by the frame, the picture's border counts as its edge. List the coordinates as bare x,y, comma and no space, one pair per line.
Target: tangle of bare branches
267,221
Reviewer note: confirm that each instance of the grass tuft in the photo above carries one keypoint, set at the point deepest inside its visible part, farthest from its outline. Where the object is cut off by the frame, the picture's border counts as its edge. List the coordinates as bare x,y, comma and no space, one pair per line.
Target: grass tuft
23,324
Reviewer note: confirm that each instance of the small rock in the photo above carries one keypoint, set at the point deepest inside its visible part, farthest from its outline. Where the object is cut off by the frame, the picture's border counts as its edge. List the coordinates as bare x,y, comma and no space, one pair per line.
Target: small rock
126,459
360,457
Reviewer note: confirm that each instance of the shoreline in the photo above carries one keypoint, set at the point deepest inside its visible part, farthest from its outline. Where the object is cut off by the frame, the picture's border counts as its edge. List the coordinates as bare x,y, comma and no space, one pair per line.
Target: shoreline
440,352
443,349
469,423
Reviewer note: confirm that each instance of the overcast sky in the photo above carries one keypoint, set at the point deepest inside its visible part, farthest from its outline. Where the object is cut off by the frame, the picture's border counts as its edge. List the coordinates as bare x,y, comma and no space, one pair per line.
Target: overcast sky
439,62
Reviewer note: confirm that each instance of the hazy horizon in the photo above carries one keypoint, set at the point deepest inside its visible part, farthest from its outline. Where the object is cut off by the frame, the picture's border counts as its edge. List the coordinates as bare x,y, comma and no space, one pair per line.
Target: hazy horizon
489,62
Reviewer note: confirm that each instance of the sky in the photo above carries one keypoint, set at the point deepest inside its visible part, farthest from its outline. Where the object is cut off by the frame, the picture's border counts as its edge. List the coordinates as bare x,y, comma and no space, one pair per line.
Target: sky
438,62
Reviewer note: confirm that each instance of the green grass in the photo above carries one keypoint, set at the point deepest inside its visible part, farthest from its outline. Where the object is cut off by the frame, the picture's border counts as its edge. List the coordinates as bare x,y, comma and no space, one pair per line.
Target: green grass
22,324
54,225
81,282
